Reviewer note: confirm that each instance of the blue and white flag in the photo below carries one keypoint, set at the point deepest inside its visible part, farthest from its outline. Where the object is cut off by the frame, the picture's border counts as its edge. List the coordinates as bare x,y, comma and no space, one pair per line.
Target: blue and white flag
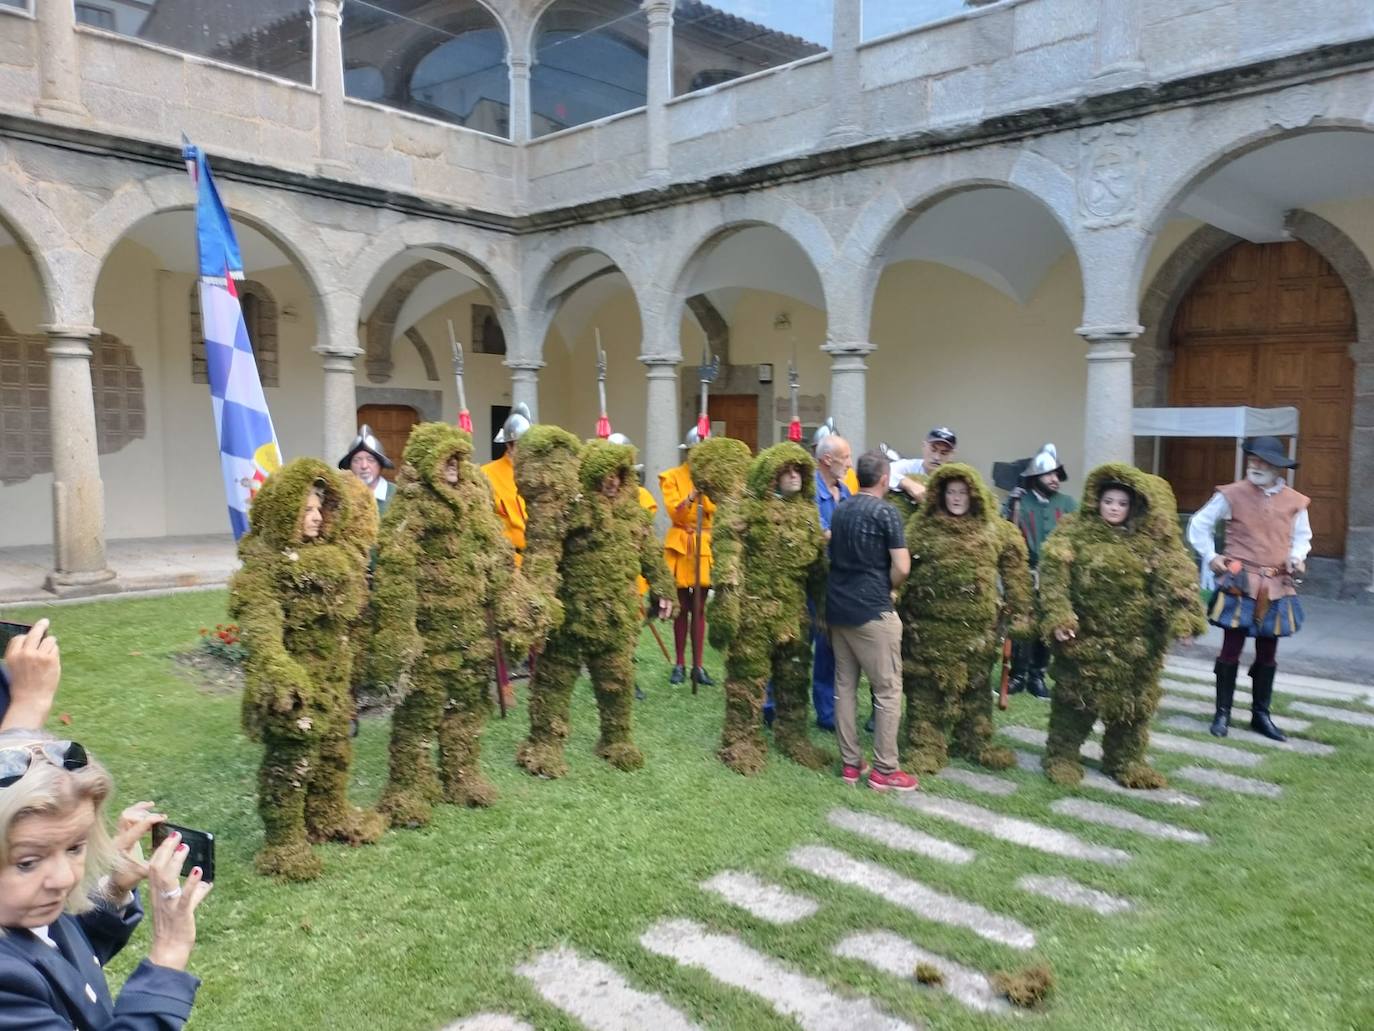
248,451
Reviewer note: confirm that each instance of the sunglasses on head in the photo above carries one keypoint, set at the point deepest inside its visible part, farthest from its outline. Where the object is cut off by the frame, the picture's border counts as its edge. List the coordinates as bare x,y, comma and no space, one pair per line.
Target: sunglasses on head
15,762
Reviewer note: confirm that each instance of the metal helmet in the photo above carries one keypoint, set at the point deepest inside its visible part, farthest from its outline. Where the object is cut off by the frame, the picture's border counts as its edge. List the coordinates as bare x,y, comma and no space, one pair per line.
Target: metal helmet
692,439
824,430
889,451
367,441
1045,461
620,438
515,425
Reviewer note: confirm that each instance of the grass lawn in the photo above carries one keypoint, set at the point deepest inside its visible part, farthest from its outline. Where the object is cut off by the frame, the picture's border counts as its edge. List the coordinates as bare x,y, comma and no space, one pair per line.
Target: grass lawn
1269,926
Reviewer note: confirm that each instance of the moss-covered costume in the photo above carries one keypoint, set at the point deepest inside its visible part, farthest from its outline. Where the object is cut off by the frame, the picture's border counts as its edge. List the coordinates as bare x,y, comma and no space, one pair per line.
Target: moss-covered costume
770,557
297,601
953,617
1125,592
445,585
586,550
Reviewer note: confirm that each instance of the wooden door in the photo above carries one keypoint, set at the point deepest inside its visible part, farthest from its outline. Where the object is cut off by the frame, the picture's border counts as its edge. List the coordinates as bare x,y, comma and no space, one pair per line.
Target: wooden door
392,424
1269,325
740,415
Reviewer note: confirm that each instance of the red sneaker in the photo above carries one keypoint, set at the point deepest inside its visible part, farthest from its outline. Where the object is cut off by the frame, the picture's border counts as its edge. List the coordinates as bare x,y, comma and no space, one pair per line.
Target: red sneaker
897,780
853,774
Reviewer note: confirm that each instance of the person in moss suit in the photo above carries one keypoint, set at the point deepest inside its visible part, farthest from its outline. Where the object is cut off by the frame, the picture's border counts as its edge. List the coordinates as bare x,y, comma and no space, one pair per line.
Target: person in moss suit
446,585
298,596
770,558
953,617
1117,587
586,541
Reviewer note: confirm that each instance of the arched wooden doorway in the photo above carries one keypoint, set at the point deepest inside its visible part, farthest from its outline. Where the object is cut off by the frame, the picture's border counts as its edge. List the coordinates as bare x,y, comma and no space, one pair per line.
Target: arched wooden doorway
1269,324
392,425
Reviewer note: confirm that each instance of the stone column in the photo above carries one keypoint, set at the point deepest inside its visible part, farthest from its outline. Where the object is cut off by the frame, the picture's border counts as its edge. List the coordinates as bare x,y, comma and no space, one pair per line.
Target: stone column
78,496
660,91
340,403
1118,41
1107,435
524,383
849,391
329,82
661,429
519,97
845,87
59,89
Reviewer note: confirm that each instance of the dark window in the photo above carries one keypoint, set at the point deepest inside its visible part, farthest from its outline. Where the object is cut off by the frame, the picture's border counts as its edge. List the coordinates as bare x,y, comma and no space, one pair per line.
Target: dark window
590,61
98,17
259,317
487,337
441,60
276,38
720,41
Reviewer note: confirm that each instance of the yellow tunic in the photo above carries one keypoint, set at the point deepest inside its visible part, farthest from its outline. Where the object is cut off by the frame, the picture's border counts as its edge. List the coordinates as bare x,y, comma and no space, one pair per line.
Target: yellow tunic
646,502
510,506
679,547
851,480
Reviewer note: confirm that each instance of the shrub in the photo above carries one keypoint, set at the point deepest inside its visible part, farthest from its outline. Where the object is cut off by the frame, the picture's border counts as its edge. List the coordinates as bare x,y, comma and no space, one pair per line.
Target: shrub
224,643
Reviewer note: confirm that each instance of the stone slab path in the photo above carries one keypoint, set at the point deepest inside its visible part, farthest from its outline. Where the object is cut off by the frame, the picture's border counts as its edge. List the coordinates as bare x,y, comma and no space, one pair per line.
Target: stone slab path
982,782
1327,712
1239,714
597,995
1210,778
1071,893
1013,829
1247,736
768,902
727,959
1286,684
893,954
490,1022
899,836
1223,754
1124,819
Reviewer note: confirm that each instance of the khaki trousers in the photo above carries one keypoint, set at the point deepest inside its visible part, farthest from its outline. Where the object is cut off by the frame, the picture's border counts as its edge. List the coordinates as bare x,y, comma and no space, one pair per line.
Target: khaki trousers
875,648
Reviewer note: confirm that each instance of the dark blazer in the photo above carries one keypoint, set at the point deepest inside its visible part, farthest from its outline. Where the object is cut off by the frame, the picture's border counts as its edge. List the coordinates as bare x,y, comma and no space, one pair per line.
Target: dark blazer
47,989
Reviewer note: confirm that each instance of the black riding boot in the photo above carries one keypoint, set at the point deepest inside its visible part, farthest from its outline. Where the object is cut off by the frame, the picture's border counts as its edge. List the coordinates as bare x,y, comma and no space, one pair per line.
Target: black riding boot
1020,667
1040,660
1226,691
1262,687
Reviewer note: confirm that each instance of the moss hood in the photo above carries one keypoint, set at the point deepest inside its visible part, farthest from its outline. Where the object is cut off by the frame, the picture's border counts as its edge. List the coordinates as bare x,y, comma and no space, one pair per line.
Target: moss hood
429,448
277,509
718,466
1153,506
600,458
763,471
982,506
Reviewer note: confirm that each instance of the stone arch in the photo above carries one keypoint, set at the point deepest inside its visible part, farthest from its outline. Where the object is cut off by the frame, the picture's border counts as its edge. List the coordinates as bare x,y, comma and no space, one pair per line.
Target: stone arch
453,24
545,303
296,237
39,236
1176,276
263,336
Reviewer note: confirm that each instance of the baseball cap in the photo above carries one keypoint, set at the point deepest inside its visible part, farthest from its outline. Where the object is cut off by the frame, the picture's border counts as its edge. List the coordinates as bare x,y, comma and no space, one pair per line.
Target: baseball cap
943,434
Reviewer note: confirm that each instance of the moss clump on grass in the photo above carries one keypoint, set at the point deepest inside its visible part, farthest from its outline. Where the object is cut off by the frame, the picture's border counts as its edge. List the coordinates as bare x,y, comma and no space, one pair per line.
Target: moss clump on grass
929,974
445,586
1028,987
587,549
1125,593
297,601
953,617
770,556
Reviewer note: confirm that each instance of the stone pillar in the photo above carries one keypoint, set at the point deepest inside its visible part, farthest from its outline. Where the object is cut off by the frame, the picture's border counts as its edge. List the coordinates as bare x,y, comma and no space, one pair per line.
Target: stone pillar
661,429
59,89
519,97
340,403
329,82
846,91
1118,41
660,91
849,391
524,383
1107,434
78,496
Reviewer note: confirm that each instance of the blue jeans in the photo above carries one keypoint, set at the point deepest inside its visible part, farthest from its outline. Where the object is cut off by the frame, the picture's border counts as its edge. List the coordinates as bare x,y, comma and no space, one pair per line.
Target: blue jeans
823,681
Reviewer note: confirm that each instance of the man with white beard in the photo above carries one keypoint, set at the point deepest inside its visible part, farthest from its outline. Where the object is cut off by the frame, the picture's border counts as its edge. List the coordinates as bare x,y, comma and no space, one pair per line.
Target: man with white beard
1268,536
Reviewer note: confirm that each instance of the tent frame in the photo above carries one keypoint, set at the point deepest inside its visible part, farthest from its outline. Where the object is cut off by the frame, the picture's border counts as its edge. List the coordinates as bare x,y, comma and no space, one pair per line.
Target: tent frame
1202,422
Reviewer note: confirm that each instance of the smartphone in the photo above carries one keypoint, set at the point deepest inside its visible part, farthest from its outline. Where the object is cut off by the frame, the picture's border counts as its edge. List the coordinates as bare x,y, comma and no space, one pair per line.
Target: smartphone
201,846
9,631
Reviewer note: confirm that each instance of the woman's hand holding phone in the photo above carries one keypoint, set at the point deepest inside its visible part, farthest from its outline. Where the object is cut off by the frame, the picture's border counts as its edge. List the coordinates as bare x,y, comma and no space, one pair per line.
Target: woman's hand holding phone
173,903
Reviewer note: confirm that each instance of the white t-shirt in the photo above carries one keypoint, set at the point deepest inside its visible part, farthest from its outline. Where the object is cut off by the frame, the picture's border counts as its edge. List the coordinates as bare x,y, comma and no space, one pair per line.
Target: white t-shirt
904,467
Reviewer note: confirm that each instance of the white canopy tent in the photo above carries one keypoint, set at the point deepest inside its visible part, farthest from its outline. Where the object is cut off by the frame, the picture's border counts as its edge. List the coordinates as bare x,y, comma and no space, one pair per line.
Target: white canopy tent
1239,423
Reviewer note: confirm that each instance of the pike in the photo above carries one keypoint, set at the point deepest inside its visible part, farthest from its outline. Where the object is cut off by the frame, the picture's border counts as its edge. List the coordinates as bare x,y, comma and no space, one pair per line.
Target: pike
706,374
464,417
794,428
603,422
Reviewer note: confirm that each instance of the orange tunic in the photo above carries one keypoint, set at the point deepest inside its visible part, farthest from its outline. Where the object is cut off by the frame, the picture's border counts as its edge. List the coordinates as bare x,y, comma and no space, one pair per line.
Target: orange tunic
510,506
851,480
646,502
679,547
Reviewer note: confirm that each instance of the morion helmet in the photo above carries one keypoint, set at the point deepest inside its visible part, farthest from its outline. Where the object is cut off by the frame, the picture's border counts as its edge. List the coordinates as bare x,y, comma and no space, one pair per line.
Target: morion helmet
367,441
1045,461
690,441
824,430
515,425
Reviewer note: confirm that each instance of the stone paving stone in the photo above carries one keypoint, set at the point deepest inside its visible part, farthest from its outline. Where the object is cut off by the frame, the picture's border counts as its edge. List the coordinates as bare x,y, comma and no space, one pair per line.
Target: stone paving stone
1293,684
1247,736
1071,893
837,866
490,1022
984,782
597,995
1124,819
1204,750
1096,780
1327,712
806,1000
768,902
899,836
895,955
1227,781
1013,829
1198,707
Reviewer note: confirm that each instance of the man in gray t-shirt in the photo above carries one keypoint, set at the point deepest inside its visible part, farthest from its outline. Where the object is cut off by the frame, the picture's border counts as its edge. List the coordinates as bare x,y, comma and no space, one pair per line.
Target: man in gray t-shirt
868,560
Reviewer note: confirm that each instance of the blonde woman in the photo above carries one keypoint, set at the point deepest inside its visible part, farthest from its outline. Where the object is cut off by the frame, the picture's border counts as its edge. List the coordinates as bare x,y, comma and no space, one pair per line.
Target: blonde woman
68,900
